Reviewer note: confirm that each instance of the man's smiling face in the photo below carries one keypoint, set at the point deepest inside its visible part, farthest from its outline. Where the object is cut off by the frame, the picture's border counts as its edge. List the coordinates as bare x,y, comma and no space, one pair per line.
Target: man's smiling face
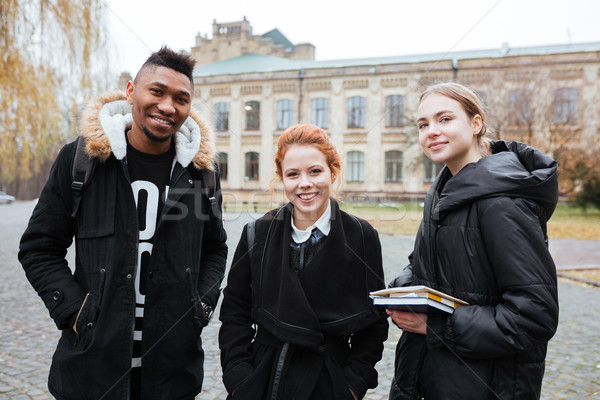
161,101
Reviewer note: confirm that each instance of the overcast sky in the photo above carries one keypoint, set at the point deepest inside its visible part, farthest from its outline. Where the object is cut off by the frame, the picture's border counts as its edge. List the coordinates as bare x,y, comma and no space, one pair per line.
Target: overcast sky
341,29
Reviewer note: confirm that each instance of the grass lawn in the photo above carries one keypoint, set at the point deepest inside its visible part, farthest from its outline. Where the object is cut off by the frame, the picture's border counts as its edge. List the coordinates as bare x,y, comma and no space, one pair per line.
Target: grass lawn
566,223
390,219
404,218
574,223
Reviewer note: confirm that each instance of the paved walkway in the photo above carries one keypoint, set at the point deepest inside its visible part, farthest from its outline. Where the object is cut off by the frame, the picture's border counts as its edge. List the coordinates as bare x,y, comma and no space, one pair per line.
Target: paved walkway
28,336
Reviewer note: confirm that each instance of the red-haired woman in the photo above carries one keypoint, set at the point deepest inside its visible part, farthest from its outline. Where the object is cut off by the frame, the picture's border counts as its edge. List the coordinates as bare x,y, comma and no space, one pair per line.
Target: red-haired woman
297,318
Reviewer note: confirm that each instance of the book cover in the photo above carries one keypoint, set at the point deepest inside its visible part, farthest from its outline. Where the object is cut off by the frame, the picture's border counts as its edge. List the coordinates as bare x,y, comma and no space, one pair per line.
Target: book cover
418,299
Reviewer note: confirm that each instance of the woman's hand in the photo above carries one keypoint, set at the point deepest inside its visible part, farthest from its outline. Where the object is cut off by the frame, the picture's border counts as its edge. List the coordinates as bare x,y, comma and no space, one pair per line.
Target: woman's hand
409,321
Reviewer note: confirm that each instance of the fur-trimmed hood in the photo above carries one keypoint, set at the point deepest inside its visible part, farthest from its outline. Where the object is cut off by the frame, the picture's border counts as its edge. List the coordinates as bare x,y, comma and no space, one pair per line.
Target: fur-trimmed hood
105,119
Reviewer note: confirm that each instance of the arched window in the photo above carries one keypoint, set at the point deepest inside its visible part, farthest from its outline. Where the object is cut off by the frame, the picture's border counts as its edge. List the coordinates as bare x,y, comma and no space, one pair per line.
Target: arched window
285,113
432,169
223,165
565,106
319,115
393,166
394,111
252,115
519,107
356,166
222,117
251,162
356,112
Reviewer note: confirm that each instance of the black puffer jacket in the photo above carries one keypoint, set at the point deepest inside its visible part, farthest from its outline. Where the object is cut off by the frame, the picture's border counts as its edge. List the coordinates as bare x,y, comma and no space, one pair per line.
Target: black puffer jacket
483,240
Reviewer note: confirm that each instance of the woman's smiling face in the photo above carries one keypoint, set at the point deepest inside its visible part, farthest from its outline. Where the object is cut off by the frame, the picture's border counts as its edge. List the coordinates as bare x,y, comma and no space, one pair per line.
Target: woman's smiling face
446,133
307,183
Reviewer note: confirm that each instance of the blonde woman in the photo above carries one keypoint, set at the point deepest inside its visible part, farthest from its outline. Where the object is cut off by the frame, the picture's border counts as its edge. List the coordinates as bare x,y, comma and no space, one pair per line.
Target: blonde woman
483,240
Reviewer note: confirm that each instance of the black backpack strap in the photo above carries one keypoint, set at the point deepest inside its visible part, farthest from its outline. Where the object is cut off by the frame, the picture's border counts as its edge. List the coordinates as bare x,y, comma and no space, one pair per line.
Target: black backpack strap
209,178
250,235
81,173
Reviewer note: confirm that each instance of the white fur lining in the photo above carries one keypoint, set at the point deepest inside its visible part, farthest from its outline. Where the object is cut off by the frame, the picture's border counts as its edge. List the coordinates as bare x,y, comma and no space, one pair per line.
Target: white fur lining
115,118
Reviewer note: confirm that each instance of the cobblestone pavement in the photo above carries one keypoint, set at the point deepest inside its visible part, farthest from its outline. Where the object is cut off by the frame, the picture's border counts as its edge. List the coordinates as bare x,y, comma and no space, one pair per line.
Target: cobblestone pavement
28,336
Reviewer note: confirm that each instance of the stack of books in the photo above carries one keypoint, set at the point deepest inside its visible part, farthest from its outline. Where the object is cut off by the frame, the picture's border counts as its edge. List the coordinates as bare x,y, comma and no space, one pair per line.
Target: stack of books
417,299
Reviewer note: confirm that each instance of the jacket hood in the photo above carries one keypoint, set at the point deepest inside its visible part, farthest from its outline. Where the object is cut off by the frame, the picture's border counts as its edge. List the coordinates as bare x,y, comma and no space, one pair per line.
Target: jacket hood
513,169
105,119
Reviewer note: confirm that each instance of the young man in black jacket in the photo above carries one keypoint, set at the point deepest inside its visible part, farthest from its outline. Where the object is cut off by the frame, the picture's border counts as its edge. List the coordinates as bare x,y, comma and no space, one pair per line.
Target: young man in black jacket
150,244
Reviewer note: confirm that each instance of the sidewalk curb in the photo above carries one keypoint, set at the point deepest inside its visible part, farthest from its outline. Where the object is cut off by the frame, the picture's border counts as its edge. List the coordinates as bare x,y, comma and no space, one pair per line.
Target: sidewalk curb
578,279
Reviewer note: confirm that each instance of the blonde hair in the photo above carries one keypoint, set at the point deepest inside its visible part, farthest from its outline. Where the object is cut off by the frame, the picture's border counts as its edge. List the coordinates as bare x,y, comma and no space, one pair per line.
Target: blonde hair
469,101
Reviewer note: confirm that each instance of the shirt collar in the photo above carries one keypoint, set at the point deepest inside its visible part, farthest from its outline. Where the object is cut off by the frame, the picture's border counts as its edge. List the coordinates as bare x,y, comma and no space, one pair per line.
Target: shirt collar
323,223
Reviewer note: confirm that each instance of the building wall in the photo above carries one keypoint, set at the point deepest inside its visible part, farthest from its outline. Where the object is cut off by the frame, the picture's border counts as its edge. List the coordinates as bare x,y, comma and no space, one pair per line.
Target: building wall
495,78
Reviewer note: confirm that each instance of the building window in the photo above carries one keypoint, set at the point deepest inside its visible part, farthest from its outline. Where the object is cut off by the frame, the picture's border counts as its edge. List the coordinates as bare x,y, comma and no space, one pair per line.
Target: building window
393,166
320,112
222,117
223,165
519,107
252,115
394,111
285,114
432,169
251,166
356,166
565,106
356,112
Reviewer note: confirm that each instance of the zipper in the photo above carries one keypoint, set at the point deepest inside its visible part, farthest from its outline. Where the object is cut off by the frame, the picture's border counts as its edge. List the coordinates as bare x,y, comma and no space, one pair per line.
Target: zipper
124,165
126,169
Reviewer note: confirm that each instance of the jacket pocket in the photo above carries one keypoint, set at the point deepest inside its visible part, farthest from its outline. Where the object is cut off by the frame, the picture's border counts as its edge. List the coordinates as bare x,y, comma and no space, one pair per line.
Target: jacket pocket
85,322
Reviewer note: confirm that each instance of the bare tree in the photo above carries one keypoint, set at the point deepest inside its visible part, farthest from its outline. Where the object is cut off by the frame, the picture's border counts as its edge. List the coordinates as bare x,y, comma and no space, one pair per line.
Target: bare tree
540,106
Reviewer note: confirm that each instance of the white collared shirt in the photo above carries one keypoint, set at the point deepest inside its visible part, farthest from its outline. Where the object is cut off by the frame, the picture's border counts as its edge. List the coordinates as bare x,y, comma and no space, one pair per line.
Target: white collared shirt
323,223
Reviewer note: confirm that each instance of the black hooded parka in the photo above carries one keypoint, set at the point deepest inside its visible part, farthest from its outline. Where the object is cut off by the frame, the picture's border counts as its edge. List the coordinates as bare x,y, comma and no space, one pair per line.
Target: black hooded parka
187,263
483,240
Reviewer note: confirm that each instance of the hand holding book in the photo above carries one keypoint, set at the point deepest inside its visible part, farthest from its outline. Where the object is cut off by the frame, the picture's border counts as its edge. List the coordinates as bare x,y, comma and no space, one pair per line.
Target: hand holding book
409,321
416,299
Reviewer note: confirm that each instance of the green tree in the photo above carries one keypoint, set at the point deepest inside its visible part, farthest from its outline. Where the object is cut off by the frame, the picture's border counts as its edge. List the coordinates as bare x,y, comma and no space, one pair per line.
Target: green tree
52,56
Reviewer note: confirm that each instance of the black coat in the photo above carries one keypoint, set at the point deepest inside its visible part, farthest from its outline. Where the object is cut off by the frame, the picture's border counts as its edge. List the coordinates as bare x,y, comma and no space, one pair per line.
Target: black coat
483,240
188,261
317,333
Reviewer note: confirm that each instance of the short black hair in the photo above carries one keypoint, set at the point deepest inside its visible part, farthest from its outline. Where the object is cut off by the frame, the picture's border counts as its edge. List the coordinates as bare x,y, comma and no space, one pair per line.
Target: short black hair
177,61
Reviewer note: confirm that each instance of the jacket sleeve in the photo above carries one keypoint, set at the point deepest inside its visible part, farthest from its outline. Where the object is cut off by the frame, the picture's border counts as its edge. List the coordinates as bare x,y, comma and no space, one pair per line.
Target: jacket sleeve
45,242
404,278
526,315
367,344
214,254
237,332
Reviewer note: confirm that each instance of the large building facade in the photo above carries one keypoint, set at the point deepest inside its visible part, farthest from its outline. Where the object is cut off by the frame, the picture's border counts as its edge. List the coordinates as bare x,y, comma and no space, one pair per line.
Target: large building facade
547,96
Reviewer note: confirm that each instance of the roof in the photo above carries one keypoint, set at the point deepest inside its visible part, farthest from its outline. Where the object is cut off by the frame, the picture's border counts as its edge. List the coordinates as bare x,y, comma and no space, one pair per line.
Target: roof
278,38
255,63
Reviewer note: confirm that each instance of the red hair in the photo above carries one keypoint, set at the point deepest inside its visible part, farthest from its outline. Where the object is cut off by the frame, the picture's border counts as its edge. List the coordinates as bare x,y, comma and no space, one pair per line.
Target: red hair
308,135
